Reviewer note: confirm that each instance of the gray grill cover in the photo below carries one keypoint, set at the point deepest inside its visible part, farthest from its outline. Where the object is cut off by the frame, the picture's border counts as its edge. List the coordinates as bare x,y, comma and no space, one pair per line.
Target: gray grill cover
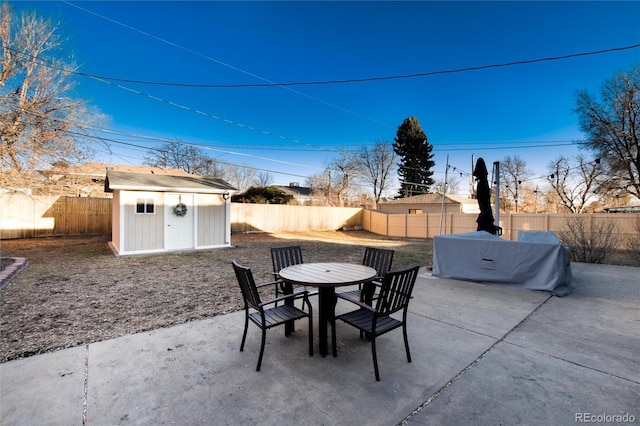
537,261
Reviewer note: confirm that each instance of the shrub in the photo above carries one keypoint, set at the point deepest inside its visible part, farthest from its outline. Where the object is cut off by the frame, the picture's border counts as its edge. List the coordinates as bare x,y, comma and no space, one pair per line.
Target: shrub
589,245
263,195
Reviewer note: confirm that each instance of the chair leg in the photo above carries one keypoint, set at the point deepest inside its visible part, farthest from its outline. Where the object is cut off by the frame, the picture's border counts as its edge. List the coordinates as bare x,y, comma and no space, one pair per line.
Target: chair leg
375,358
246,326
310,334
406,341
264,336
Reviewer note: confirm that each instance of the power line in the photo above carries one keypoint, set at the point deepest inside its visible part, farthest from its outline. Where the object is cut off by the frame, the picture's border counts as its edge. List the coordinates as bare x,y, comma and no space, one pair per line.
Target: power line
209,115
171,103
269,133
223,151
144,137
160,150
542,145
269,83
203,147
217,61
365,79
208,148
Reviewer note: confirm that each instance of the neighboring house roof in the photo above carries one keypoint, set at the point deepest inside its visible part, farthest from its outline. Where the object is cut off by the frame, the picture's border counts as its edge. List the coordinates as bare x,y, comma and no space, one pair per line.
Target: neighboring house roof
98,170
433,198
467,205
623,209
295,191
165,183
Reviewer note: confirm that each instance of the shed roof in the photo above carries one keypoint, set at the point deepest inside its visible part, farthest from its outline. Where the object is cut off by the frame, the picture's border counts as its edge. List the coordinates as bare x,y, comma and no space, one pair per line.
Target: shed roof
165,183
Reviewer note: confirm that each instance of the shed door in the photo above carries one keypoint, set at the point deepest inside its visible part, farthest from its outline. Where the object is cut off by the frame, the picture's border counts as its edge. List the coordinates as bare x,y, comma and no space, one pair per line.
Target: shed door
179,229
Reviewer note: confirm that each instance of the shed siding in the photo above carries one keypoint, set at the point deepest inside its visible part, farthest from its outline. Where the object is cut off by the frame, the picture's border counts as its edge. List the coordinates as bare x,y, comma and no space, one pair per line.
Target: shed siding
143,232
211,220
115,220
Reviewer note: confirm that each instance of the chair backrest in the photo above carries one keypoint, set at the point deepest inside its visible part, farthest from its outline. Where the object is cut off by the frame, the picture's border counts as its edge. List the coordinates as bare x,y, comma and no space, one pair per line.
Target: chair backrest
281,257
247,286
378,259
396,290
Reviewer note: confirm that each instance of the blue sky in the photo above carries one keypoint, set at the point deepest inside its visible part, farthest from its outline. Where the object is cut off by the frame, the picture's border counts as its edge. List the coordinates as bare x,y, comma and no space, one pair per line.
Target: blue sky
523,110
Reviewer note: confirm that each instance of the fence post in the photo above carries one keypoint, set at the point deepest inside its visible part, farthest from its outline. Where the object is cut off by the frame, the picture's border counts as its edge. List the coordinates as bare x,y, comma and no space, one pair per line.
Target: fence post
386,225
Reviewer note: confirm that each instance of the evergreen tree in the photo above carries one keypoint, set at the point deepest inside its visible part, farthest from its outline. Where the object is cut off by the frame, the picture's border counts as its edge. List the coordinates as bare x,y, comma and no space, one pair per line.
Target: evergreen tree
263,195
415,165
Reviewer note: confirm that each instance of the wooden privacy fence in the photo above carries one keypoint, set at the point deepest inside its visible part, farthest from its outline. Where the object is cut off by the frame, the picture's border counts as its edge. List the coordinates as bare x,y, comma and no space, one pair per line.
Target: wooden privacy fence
23,216
275,217
430,225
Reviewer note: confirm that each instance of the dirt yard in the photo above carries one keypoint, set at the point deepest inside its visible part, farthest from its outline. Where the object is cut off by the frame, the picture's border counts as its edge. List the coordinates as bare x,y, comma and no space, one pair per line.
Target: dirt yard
75,291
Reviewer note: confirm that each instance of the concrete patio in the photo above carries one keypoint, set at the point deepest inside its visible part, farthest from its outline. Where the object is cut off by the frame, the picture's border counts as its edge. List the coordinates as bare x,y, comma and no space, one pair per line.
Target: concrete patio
483,354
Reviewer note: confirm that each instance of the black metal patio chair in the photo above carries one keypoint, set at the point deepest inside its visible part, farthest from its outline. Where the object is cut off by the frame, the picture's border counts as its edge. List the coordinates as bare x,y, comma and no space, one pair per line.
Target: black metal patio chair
378,259
394,296
281,257
265,318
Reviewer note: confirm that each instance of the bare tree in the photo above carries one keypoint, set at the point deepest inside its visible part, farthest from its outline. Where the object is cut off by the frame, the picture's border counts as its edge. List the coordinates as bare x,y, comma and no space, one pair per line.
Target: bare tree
179,155
240,176
263,179
551,202
342,169
530,201
450,186
374,166
612,127
318,182
212,168
40,123
574,183
513,172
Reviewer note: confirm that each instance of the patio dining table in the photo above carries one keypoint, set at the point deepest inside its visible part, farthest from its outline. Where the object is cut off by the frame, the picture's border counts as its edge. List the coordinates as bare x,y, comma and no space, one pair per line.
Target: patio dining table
326,276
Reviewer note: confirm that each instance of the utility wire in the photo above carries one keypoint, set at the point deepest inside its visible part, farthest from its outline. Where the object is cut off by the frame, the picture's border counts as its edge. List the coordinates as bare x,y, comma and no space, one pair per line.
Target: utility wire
174,104
366,79
542,145
112,82
143,137
209,58
104,139
325,82
209,115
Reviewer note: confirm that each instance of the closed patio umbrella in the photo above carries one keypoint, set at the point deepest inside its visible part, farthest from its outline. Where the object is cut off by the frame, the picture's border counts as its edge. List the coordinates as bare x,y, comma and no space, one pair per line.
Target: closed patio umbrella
483,193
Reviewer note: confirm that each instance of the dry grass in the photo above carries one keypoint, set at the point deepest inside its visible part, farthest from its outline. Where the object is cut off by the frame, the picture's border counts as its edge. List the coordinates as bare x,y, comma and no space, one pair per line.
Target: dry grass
75,291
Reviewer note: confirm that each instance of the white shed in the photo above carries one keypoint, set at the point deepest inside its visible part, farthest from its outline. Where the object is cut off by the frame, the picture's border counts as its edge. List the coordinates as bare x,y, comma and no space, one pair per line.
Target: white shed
161,213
